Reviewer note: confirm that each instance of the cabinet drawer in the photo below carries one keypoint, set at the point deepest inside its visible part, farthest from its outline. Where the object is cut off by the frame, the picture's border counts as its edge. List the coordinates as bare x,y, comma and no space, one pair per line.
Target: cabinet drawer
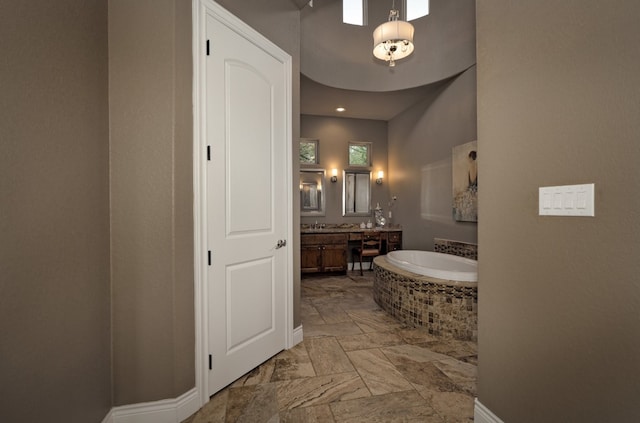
355,236
323,239
395,236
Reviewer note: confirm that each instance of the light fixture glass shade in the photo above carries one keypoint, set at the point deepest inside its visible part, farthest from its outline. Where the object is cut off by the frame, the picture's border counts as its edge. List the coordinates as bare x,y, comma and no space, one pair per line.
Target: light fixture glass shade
393,40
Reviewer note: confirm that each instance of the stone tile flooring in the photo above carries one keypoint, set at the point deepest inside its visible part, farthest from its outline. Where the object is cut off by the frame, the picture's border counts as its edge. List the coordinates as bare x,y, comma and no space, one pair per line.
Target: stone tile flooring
356,364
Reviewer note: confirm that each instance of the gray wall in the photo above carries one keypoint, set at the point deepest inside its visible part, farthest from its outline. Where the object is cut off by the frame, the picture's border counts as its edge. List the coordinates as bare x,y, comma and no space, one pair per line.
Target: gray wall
334,135
420,145
151,199
558,103
54,212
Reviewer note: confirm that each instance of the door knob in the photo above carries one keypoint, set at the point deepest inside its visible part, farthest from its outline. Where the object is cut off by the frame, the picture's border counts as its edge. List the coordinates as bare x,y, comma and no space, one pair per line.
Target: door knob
281,243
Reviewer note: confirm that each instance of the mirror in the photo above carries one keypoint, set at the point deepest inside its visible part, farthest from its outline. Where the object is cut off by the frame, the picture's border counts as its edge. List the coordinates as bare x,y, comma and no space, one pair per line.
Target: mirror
311,198
356,193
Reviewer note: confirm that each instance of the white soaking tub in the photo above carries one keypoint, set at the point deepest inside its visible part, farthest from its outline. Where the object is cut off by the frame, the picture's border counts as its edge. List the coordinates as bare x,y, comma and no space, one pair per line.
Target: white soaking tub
435,265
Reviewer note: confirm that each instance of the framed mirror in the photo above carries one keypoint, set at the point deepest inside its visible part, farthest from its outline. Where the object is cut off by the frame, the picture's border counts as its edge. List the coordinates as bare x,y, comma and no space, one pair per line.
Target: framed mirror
356,193
312,182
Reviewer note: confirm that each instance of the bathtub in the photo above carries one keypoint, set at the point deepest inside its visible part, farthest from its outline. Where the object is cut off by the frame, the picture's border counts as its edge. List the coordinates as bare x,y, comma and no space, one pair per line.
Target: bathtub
436,265
435,291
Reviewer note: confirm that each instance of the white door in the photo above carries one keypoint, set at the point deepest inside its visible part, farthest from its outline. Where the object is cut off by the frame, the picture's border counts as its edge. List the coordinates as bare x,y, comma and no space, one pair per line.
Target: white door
247,216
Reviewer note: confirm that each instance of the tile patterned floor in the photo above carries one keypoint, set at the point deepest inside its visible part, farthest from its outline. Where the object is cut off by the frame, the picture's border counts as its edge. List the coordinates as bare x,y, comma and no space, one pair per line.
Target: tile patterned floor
356,364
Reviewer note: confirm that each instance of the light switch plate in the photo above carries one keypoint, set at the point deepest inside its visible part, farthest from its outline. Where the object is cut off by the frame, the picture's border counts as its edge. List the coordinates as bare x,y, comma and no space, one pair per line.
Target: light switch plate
566,200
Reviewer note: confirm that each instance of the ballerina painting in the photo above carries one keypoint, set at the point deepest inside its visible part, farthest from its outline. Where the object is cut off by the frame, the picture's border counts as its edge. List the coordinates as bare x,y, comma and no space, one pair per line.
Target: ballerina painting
465,182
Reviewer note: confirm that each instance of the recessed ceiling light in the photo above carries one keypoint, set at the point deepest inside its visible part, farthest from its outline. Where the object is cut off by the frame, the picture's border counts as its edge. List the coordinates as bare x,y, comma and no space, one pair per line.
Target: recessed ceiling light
340,109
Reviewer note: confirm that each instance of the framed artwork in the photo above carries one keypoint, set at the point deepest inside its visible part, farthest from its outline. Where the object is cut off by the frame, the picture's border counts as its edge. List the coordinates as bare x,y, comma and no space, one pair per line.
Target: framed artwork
465,182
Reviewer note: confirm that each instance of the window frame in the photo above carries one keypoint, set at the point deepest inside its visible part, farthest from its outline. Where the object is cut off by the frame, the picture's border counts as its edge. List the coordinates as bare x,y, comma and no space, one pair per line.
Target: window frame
316,143
346,8
368,145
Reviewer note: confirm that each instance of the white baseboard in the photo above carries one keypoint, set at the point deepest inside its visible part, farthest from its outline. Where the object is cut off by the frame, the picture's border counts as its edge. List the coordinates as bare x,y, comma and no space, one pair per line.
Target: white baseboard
482,414
165,411
297,335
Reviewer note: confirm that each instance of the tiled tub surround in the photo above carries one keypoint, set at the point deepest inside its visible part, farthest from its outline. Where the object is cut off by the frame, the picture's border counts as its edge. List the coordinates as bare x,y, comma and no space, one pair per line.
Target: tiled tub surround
456,248
448,309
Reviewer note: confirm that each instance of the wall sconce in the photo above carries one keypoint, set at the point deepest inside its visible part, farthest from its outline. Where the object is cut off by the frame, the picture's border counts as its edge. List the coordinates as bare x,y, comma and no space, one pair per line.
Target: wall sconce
334,175
380,177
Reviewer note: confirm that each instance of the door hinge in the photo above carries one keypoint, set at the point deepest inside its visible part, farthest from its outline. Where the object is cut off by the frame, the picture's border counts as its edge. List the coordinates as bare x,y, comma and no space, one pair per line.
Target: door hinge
209,257
210,362
209,152
207,47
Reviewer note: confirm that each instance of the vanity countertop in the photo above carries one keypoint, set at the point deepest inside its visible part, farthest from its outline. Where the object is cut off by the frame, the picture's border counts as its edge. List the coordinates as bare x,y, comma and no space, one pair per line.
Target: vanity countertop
345,228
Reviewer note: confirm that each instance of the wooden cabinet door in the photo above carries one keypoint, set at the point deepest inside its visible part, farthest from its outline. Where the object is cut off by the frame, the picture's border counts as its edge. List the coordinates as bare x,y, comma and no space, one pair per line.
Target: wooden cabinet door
334,258
310,258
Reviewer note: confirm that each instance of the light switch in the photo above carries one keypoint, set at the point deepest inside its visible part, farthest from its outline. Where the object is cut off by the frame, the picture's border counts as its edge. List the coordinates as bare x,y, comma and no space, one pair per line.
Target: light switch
566,200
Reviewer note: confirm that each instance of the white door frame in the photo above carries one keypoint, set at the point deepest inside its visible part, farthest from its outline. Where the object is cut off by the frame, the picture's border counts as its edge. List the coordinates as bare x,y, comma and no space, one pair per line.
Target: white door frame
200,9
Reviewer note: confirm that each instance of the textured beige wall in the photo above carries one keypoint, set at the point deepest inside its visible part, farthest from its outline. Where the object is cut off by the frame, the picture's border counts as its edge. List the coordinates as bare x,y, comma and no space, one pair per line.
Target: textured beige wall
54,212
151,199
559,297
420,176
334,135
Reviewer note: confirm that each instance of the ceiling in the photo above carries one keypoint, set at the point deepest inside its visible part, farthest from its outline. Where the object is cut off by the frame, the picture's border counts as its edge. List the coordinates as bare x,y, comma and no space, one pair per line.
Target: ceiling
350,77
321,100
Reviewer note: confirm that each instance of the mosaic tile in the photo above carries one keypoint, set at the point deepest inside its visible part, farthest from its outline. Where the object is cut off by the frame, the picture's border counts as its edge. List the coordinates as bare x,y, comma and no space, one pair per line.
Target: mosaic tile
456,248
446,309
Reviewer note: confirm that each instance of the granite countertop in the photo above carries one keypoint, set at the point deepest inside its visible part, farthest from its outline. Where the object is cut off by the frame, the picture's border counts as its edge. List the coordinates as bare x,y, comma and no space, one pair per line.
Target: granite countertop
345,227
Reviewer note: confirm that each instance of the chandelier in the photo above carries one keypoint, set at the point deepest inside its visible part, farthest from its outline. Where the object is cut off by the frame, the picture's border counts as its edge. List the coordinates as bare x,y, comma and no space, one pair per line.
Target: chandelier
393,40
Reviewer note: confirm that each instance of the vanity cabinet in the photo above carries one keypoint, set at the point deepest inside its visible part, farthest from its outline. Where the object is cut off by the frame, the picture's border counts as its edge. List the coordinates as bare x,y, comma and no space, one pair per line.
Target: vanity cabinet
323,252
394,241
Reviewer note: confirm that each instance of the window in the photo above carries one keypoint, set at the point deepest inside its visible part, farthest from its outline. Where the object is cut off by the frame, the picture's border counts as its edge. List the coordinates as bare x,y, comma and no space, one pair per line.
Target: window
415,9
354,12
359,153
309,151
